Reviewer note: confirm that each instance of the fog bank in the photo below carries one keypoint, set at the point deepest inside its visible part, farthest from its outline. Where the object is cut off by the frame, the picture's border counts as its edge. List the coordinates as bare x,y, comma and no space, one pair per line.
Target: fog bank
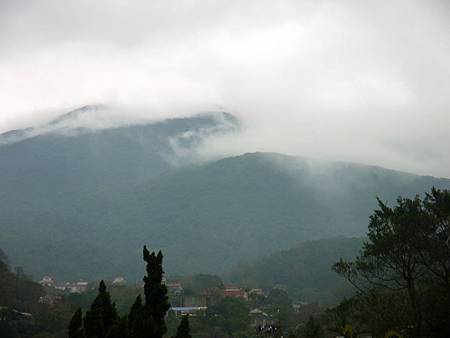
342,80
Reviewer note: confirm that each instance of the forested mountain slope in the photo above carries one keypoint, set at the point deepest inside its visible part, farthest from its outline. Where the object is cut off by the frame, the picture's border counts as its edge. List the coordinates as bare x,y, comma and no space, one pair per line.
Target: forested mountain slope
83,205
303,270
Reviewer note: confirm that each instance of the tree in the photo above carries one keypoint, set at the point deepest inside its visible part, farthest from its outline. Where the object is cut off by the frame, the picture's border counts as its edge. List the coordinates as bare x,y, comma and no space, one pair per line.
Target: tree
135,318
312,329
405,261
148,320
102,315
144,320
119,329
7,330
390,258
3,260
183,330
229,314
434,242
280,307
76,329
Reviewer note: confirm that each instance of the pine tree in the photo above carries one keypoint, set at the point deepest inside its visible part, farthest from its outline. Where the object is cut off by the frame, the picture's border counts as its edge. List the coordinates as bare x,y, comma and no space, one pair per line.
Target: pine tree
119,329
76,329
102,315
135,318
156,299
183,330
312,329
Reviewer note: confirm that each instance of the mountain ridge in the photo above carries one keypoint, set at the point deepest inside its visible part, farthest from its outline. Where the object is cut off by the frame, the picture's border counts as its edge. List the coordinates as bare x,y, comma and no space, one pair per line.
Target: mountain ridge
70,203
72,121
205,217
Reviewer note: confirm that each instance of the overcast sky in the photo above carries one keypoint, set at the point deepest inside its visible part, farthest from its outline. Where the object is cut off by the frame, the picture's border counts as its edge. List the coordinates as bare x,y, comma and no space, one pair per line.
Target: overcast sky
366,81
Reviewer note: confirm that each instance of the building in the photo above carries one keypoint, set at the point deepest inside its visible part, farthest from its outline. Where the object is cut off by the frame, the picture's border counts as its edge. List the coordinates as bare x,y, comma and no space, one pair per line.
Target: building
234,292
299,305
174,287
47,281
78,287
258,292
50,299
195,300
188,310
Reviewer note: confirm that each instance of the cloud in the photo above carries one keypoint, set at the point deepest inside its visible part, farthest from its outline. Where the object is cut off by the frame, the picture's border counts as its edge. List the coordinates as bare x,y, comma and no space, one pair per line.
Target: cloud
348,80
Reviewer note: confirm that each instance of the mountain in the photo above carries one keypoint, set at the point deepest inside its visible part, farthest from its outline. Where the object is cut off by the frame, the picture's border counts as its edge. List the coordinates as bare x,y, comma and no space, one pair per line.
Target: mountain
303,270
67,157
209,217
81,204
72,120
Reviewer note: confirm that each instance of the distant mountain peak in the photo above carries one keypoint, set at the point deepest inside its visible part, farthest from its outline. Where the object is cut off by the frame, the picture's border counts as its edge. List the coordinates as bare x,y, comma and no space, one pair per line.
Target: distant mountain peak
94,117
74,119
78,113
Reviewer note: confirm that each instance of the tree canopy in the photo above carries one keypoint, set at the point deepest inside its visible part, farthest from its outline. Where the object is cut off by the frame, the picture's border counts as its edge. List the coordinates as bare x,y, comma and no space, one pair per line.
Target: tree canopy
405,265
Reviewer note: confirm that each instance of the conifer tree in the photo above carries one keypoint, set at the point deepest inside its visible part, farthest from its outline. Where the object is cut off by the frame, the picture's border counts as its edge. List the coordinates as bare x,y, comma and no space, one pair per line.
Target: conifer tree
119,329
102,315
183,330
156,299
76,329
135,318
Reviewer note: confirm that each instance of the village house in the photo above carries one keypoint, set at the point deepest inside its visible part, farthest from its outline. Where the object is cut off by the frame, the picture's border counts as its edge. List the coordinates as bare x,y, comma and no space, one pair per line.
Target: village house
47,281
77,287
50,299
234,292
257,292
188,310
195,300
174,287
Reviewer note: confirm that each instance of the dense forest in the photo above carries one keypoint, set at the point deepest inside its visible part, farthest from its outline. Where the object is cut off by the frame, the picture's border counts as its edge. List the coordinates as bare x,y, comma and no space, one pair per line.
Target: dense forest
216,214
304,271
400,279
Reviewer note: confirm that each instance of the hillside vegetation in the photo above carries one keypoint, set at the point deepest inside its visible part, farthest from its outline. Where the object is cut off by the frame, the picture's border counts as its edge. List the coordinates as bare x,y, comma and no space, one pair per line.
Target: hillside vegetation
304,270
81,206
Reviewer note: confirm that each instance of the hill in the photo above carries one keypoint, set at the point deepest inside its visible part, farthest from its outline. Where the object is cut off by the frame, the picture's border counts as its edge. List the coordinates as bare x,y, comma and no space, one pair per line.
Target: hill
69,156
82,205
304,270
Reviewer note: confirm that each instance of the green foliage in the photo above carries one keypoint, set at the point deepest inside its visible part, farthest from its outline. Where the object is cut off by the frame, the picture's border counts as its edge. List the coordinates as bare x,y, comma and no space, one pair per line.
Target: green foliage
198,283
229,314
404,262
312,329
156,299
144,319
279,306
76,329
183,330
206,217
123,298
18,292
135,318
304,271
7,330
102,315
120,329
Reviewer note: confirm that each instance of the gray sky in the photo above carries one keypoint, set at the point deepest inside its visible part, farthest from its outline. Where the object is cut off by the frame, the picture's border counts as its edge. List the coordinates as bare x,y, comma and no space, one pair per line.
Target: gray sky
366,81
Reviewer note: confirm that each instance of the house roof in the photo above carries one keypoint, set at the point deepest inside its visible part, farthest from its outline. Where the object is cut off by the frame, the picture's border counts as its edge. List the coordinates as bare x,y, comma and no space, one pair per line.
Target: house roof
258,312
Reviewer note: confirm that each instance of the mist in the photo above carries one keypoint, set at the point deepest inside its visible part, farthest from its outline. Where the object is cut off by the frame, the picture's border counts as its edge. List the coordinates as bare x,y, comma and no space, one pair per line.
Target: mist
349,80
